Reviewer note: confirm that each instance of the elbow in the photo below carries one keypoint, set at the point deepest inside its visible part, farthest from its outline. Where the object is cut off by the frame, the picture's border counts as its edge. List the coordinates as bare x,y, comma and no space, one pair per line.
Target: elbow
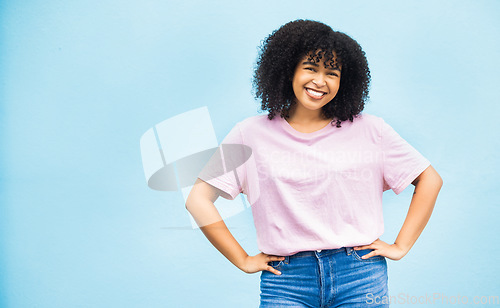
430,179
434,178
440,181
189,202
436,183
189,206
193,198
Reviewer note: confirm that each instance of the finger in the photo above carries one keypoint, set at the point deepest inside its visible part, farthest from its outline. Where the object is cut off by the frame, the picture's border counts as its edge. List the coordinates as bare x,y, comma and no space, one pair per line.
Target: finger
363,247
275,258
369,255
273,270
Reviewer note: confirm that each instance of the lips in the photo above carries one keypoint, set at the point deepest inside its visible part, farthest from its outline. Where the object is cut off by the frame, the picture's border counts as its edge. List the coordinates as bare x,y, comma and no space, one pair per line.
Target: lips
315,93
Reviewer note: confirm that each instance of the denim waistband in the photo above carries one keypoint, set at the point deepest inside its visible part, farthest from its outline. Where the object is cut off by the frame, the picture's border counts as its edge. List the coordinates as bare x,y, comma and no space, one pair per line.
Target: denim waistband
318,253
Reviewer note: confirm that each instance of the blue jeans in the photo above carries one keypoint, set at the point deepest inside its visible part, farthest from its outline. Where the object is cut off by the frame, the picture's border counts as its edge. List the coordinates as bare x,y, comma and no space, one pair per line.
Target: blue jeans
328,278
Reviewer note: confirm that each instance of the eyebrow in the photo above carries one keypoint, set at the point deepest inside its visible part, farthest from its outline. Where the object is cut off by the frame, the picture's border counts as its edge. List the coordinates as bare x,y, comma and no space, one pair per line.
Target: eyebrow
310,63
314,64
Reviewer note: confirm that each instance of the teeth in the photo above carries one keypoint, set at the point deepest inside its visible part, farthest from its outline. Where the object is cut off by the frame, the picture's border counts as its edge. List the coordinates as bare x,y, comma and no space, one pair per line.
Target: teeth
315,93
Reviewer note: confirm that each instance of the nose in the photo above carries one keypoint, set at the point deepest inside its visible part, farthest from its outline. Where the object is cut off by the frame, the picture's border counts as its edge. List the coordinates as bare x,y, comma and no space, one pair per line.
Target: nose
319,80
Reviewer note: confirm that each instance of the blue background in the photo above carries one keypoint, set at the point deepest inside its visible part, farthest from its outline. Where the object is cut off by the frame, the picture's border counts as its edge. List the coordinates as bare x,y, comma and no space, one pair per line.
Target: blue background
81,81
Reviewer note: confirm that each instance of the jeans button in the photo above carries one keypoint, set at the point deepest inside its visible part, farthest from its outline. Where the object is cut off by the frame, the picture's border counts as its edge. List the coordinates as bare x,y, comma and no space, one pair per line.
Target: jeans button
319,250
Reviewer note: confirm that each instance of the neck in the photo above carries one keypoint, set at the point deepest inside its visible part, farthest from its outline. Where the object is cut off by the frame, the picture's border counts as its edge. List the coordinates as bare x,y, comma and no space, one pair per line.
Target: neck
305,116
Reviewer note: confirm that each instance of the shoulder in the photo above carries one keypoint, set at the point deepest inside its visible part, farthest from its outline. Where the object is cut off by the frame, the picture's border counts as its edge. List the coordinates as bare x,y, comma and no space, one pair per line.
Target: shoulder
369,121
260,120
258,128
255,119
368,118
368,125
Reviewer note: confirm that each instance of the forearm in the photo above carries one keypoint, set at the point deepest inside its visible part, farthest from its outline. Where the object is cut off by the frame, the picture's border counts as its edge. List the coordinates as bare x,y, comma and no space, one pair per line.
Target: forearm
219,235
422,204
213,227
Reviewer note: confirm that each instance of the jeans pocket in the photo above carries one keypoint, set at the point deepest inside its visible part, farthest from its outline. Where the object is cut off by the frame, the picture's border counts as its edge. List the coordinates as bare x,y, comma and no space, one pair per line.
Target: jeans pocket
276,264
359,253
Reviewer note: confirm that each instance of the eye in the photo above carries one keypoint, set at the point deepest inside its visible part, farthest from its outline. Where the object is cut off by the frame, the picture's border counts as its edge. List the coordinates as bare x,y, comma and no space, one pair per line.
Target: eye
310,69
333,74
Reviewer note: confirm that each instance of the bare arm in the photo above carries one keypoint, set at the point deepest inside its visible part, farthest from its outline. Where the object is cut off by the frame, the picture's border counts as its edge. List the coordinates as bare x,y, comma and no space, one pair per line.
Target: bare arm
200,203
427,187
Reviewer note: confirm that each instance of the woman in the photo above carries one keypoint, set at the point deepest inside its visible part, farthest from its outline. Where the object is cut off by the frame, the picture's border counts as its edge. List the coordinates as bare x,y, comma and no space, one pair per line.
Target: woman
315,176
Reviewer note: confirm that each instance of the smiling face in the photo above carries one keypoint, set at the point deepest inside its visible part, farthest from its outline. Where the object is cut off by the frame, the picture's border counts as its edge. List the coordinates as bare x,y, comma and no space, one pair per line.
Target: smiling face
315,83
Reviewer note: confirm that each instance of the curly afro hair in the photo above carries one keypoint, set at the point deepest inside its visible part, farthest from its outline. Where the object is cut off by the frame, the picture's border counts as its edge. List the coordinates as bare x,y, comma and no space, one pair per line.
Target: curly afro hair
284,48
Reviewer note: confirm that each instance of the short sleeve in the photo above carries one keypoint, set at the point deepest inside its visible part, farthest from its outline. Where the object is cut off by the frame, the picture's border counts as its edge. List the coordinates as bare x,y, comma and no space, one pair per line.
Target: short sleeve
226,168
402,162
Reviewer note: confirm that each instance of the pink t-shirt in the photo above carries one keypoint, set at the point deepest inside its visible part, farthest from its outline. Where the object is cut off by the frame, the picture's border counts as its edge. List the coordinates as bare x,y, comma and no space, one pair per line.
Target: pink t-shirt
319,190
